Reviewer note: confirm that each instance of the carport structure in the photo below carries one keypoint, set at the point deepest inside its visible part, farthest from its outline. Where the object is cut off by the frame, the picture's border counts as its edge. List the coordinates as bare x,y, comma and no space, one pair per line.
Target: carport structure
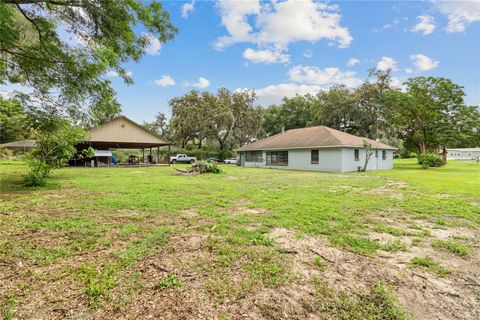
123,133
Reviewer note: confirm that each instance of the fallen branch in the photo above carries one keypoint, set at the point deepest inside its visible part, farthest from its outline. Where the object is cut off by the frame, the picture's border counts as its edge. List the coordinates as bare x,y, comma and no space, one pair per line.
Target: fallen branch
289,251
322,256
420,276
201,167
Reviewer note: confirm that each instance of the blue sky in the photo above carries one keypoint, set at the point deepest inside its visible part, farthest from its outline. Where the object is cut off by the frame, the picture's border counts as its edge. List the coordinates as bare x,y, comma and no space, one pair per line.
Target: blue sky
285,47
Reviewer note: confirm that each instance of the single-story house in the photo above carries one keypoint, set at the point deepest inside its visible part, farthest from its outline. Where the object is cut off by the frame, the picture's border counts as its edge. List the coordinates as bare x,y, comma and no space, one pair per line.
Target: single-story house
317,148
463,154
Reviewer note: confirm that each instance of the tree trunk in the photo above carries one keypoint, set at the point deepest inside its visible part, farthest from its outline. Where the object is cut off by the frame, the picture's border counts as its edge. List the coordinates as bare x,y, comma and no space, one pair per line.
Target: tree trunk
444,155
367,158
423,147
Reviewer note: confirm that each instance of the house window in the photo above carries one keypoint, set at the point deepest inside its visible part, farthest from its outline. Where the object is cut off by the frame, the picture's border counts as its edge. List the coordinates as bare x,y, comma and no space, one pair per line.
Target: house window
314,156
357,155
277,158
253,156
384,155
376,153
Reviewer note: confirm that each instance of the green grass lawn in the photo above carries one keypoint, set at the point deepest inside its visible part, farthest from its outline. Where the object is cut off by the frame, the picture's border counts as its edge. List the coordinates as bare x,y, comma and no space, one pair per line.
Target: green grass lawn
87,243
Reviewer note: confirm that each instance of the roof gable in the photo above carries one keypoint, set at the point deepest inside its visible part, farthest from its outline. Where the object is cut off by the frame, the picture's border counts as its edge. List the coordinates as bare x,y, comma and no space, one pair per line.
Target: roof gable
124,130
312,137
20,144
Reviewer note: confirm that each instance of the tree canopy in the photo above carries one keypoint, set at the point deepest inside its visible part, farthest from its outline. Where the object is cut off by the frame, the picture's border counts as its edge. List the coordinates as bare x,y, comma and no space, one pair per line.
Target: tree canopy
431,114
12,120
426,116
60,49
229,118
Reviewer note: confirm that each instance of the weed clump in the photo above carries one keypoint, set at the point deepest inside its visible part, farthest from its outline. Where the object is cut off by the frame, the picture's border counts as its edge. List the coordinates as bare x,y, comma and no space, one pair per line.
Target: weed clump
170,281
452,246
430,265
377,302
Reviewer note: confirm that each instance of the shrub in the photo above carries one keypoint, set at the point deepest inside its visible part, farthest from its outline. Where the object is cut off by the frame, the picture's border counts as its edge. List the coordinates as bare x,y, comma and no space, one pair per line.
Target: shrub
427,160
34,179
5,153
56,138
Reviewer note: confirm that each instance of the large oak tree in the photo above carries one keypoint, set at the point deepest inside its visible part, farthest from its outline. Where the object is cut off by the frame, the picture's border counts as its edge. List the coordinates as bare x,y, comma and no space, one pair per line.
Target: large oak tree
60,49
431,114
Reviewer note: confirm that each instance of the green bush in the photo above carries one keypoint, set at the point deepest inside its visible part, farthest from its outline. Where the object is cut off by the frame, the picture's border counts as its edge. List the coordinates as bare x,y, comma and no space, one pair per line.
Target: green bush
55,138
35,179
427,160
5,153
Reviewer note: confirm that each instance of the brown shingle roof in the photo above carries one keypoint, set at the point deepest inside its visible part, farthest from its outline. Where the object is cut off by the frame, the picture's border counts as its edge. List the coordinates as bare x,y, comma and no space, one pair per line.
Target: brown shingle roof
312,137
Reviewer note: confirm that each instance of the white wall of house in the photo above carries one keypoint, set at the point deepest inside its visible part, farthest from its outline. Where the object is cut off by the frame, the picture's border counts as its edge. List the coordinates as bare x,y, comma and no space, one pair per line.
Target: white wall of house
330,160
299,159
350,164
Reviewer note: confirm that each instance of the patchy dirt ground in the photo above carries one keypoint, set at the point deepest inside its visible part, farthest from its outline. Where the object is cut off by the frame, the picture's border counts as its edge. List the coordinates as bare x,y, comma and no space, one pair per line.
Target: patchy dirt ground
282,250
424,295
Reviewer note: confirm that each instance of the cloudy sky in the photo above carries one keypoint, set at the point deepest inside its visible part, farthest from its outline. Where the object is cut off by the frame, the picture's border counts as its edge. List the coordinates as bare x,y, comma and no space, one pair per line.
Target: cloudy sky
282,48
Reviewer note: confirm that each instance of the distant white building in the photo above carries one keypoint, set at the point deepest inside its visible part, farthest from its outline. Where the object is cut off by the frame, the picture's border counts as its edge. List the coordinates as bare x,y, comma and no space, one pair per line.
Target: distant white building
317,148
463,154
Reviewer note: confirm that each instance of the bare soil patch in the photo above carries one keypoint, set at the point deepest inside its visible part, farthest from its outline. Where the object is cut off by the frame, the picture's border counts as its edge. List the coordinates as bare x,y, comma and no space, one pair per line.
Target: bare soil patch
424,295
391,189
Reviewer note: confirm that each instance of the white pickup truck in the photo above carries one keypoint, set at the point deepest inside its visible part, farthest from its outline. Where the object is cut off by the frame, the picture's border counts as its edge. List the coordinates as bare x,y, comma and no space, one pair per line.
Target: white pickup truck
182,158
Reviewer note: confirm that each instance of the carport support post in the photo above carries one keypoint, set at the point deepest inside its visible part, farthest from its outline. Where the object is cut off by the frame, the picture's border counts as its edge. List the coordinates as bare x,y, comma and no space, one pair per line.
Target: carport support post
158,155
150,158
168,155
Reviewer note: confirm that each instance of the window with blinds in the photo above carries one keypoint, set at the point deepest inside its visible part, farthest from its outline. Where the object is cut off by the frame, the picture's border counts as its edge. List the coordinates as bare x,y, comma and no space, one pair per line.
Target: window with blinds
277,158
253,156
314,156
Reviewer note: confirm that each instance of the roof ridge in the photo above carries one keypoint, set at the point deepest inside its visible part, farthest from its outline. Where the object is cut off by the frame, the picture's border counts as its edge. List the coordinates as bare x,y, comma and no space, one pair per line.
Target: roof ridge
329,130
306,128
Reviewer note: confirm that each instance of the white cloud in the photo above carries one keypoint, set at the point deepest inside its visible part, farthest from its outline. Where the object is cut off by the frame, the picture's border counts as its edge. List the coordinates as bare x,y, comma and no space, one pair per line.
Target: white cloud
425,26
274,94
408,71
265,56
201,83
328,76
308,53
164,81
423,63
387,63
460,13
187,8
114,74
388,25
353,61
279,23
153,48
398,83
